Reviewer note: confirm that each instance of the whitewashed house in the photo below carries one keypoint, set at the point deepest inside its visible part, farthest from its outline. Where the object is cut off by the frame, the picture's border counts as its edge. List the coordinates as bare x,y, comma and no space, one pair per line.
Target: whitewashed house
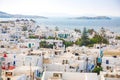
55,75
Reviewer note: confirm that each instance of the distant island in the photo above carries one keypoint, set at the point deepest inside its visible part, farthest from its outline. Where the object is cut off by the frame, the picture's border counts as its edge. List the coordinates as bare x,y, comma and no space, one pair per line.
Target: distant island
7,15
97,17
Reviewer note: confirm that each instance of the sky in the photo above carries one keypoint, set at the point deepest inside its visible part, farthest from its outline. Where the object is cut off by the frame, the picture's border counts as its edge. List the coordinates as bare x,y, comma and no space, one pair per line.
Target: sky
62,7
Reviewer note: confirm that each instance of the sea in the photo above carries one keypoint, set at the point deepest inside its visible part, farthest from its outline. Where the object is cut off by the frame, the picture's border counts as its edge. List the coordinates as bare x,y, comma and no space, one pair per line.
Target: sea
66,23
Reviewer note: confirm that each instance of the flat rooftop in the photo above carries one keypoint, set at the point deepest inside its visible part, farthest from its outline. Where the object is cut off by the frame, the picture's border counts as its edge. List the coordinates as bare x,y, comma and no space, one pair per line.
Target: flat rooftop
112,53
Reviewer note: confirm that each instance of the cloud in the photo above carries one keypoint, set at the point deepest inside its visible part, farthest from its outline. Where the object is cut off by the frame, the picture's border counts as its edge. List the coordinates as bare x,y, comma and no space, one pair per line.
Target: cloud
61,7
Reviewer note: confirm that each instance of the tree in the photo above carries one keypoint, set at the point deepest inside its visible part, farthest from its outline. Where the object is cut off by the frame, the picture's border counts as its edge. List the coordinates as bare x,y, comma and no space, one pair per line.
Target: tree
50,37
99,39
78,42
77,30
67,43
49,46
33,37
43,44
97,69
90,31
117,37
84,39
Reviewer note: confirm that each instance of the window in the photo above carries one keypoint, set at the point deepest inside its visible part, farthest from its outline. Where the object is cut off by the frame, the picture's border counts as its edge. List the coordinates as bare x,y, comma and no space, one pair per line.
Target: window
8,79
107,61
2,46
59,75
76,54
65,62
78,58
8,74
71,67
56,53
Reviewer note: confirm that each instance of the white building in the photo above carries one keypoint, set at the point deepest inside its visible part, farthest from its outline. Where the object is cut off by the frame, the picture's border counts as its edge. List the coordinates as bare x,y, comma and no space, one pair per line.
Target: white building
54,75
56,43
110,62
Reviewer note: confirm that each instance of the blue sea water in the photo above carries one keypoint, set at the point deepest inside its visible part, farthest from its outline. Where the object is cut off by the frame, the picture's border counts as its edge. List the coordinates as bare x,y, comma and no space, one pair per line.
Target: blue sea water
65,23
